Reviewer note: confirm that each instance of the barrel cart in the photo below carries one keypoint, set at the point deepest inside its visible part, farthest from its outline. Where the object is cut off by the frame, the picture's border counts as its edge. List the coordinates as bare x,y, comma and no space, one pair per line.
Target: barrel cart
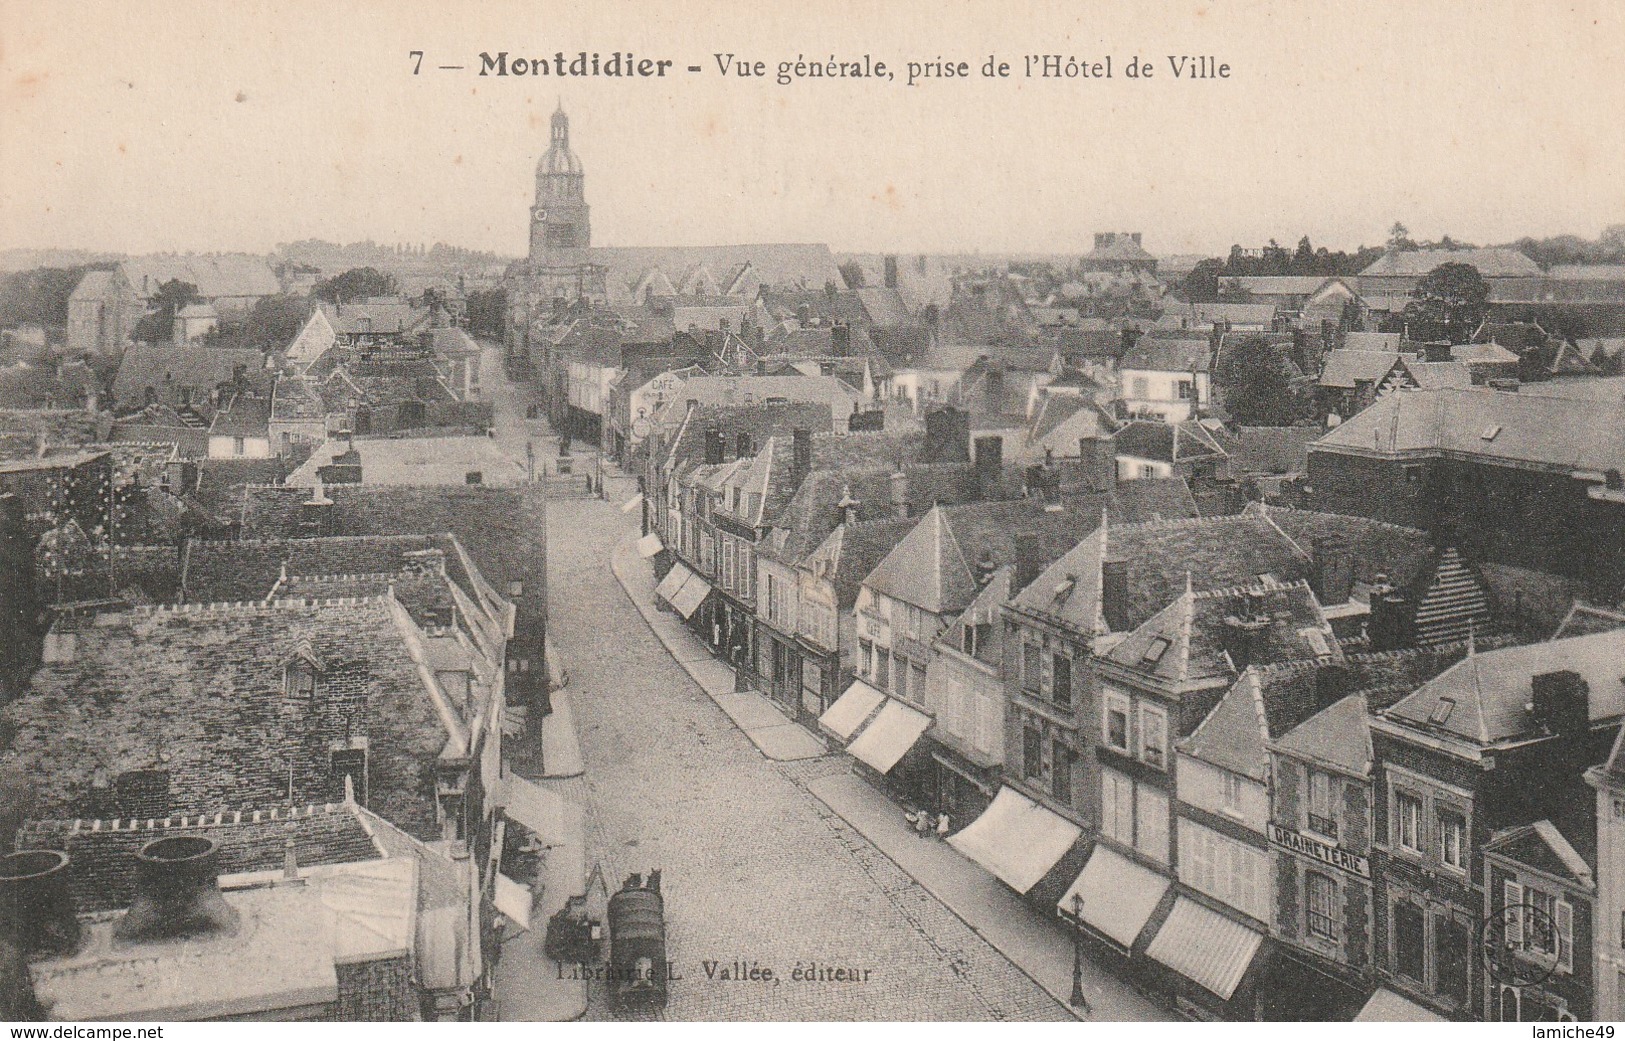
637,944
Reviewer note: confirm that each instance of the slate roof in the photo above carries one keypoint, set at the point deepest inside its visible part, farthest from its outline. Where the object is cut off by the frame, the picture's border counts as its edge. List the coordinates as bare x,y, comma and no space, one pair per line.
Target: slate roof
1487,424
417,461
225,571
1489,690
1363,341
1491,263
1155,354
384,316
834,394
1235,314
1483,354
95,285
1278,285
1544,847
1439,375
1585,619
296,398
243,417
850,552
1403,554
101,867
1338,736
786,265
1233,734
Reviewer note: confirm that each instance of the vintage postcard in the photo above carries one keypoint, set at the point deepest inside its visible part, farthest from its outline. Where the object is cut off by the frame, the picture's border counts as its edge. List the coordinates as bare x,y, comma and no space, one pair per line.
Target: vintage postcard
529,511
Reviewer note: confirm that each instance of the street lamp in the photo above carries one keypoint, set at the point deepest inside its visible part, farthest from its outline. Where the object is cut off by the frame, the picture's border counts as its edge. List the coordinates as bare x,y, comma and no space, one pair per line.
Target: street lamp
1078,1000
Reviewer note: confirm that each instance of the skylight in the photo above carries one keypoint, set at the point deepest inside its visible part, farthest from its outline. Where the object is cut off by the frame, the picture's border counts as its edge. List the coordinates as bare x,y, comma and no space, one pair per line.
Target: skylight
1153,653
1441,711
1489,432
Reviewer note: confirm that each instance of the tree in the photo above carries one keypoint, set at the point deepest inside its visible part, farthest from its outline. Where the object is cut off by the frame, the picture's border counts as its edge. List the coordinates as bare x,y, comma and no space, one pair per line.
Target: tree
852,274
1399,237
358,283
39,296
1201,284
1257,385
271,324
1449,302
488,312
158,324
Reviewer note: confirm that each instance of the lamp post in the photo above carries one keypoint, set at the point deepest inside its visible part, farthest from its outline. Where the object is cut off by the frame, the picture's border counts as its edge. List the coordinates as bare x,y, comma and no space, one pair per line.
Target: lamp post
1078,1000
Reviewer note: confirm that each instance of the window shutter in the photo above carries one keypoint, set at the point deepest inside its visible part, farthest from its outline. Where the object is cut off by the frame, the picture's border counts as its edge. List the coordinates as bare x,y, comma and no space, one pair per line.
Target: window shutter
1565,935
1513,897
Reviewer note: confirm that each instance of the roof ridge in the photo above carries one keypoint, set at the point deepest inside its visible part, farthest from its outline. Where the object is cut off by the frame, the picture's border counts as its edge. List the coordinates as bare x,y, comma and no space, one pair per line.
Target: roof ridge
151,610
219,819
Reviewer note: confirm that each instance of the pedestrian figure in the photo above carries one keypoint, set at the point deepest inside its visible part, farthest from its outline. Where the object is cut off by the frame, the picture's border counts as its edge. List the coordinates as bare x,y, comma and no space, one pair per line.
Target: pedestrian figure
942,825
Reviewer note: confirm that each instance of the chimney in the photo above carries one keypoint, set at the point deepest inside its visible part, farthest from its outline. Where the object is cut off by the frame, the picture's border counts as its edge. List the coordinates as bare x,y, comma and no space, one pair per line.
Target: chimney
177,892
1114,594
899,495
988,462
516,589
800,455
1501,383
1098,457
1561,703
1389,625
947,434
36,911
840,340
995,388
1243,626
742,445
1439,351
889,279
761,366
1333,570
1029,562
847,508
714,446
985,566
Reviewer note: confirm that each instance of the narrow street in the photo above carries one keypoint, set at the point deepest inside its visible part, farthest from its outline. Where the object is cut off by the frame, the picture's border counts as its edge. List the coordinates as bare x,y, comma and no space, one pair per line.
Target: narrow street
757,872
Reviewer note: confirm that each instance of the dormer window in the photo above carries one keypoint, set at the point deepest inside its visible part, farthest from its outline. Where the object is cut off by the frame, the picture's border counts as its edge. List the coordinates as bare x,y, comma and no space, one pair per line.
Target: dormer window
302,673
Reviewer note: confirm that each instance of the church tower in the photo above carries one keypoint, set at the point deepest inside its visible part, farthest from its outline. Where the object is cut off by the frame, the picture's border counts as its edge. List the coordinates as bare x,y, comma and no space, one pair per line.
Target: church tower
559,218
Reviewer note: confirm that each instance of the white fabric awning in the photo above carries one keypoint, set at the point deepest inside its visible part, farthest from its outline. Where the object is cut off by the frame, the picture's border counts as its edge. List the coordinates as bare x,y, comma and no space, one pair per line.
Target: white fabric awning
850,710
533,807
1386,1006
890,736
1017,839
513,900
1118,895
688,599
649,545
1205,947
673,581
631,504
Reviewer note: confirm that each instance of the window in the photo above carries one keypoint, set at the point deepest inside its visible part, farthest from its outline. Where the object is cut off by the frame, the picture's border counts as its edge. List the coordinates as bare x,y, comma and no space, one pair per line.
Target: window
1062,759
882,668
1322,804
1114,724
238,446
1452,946
1230,793
1185,390
1032,668
866,659
1410,941
1549,930
1142,387
1032,752
919,682
1147,470
1153,736
1061,686
1452,839
1151,822
350,763
1117,807
902,678
300,681
1408,821
1321,900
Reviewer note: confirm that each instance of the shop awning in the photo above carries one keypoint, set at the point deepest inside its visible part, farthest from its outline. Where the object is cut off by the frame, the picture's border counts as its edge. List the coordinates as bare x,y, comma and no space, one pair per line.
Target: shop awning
533,807
513,900
1205,947
631,504
688,599
1386,1006
890,736
673,581
1017,839
850,710
649,545
1118,895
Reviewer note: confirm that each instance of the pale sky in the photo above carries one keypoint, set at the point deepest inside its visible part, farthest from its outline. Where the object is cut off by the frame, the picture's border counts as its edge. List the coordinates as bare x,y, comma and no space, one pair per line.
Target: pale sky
139,126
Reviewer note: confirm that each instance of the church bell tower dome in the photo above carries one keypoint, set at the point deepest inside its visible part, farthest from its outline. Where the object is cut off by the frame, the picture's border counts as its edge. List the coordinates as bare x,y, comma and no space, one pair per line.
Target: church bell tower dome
559,220
559,159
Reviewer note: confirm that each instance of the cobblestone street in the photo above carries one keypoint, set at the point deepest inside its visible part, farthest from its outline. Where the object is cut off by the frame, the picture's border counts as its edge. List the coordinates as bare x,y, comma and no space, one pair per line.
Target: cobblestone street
755,869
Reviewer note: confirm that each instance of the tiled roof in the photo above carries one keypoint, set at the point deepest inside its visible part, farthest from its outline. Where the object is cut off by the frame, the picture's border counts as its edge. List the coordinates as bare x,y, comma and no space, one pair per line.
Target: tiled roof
199,693
1235,314
243,417
248,569
1186,642
162,366
787,265
1483,354
296,398
1527,428
101,867
1272,450
1362,341
215,275
852,551
1278,285
1488,691
1155,354
1167,442
392,317
1439,375
417,461
1491,263
1345,368
95,285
